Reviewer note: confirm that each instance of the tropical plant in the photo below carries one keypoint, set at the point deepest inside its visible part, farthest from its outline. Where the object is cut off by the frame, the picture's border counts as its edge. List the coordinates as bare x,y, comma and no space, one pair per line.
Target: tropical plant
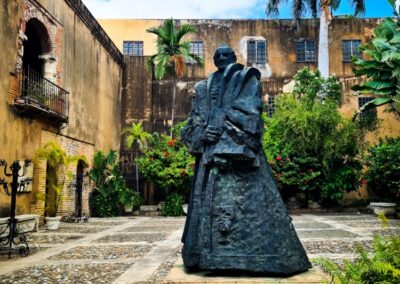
383,266
381,66
301,142
324,8
167,164
173,205
137,138
171,54
57,173
110,188
383,170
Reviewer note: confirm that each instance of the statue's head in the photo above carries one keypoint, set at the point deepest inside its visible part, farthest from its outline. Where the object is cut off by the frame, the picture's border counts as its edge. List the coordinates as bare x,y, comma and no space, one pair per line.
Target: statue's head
223,56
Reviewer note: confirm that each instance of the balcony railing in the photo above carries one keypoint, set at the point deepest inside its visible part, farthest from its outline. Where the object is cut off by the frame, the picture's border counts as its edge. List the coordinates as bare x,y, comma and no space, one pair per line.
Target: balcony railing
42,96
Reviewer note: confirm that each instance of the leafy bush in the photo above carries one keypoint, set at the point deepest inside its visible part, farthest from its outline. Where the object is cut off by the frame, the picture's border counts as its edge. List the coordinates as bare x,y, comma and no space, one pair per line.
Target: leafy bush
381,65
110,189
382,267
310,146
173,205
167,164
383,170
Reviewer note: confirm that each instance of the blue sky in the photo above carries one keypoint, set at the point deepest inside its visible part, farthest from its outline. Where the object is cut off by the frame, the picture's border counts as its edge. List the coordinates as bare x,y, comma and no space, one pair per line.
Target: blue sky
209,9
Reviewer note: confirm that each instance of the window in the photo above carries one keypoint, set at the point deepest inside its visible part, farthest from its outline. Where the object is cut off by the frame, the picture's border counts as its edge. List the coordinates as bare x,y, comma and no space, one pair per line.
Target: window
368,114
134,48
256,51
271,106
197,48
350,49
305,51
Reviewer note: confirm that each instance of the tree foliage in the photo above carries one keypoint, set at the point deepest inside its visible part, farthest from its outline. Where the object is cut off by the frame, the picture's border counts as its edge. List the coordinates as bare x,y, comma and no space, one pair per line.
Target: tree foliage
381,66
309,145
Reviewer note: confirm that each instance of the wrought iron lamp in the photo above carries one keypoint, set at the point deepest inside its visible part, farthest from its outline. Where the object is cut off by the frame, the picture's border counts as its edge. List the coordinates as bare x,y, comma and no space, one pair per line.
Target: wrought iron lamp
15,237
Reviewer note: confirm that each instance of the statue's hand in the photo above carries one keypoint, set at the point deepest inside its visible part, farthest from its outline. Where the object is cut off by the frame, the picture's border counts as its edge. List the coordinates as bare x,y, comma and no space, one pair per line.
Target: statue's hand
212,134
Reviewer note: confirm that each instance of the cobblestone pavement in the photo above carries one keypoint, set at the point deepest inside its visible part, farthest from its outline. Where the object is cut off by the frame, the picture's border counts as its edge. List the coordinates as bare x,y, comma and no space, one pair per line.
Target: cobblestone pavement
144,249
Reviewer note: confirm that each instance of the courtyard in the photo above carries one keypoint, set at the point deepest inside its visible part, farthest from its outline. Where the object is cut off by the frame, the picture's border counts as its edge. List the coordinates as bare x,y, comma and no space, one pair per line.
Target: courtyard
145,249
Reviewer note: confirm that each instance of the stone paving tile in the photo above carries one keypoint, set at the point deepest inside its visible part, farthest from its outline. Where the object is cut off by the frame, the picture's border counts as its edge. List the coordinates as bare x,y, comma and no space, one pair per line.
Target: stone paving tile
311,225
350,217
153,229
149,238
52,238
67,273
167,265
103,252
334,246
78,229
371,224
95,223
325,234
384,232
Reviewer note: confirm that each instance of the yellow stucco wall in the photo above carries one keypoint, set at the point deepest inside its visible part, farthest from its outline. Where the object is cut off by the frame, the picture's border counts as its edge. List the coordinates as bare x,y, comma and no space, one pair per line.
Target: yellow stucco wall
88,72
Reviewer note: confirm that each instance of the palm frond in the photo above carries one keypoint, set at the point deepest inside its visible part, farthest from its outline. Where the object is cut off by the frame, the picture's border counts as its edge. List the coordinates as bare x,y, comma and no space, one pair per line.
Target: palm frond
298,8
313,6
359,7
272,7
184,30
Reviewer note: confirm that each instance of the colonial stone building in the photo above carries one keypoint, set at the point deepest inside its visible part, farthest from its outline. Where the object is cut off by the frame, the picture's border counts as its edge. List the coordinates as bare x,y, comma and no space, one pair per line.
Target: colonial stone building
60,80
275,47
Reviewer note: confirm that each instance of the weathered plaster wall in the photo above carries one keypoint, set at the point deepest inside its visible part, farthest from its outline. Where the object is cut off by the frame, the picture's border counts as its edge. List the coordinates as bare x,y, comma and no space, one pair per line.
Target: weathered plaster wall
88,72
280,35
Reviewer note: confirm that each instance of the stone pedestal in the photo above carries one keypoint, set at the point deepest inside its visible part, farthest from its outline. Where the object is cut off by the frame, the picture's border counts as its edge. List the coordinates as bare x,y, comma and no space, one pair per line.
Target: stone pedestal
179,275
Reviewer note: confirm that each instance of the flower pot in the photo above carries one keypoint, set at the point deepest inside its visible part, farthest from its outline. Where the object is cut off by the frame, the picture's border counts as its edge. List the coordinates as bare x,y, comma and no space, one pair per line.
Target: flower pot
388,209
128,208
185,208
52,223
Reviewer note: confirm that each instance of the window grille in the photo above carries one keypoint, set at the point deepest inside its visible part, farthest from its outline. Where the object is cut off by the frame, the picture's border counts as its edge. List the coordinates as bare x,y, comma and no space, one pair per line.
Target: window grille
256,51
271,106
197,48
306,51
350,49
133,48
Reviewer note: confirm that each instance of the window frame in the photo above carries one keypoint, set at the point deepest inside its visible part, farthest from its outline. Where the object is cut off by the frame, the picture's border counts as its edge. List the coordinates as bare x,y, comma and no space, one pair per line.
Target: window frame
199,50
259,58
135,50
302,45
353,50
370,113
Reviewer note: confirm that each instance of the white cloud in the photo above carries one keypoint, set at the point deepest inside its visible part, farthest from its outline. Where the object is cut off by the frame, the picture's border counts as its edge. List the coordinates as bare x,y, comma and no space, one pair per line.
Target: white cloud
179,9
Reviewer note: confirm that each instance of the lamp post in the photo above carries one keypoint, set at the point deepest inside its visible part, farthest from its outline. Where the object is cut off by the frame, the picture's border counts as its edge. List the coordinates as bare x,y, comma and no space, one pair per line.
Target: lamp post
15,236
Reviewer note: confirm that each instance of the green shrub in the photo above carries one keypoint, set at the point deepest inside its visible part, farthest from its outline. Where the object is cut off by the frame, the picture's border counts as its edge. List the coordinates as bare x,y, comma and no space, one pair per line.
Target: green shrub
382,267
310,146
110,189
173,205
167,164
383,170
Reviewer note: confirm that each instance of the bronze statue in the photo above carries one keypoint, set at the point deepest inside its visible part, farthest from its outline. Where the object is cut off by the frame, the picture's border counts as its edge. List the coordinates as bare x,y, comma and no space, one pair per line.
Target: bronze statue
236,217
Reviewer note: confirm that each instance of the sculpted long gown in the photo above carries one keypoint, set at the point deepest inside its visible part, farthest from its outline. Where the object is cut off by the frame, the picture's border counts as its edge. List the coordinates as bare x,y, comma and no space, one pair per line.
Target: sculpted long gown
236,217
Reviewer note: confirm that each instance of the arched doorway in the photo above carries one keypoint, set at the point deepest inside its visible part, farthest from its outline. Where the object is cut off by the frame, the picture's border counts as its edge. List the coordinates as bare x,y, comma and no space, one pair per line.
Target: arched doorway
36,45
78,189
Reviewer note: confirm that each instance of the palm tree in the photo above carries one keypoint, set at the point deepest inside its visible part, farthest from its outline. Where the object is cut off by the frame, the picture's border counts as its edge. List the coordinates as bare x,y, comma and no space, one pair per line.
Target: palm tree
172,53
137,138
324,8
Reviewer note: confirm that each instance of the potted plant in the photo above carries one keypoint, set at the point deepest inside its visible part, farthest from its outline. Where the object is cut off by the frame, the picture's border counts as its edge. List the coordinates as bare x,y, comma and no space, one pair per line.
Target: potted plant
382,177
57,174
129,199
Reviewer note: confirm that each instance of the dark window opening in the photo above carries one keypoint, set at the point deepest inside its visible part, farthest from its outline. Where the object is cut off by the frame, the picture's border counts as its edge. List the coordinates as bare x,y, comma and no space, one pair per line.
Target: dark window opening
306,51
256,52
133,48
350,49
33,47
369,113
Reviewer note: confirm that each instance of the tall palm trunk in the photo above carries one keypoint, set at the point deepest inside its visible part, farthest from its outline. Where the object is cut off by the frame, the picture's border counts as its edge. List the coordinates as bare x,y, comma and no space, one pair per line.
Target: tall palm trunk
173,104
137,170
323,48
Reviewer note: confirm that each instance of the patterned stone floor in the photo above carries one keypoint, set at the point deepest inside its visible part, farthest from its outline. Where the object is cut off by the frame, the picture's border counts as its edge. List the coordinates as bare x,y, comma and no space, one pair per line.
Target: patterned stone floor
144,249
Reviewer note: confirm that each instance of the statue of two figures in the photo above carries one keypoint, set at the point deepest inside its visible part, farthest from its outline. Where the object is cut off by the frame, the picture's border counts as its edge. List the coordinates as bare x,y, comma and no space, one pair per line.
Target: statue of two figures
236,218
